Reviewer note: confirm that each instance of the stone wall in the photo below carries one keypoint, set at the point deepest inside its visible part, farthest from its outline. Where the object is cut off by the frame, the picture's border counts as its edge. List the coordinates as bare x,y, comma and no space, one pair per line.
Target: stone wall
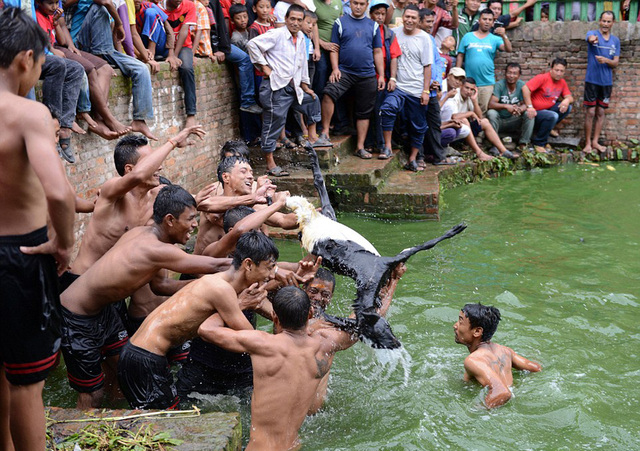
191,167
535,44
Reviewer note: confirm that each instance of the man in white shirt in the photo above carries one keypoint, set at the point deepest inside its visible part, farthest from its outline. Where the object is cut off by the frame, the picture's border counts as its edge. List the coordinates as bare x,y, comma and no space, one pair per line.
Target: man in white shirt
410,91
281,54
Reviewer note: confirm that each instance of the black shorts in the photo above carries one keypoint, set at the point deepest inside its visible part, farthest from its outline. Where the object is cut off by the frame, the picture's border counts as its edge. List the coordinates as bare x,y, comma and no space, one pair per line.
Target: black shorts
596,95
197,377
29,310
86,341
365,89
66,279
176,354
145,379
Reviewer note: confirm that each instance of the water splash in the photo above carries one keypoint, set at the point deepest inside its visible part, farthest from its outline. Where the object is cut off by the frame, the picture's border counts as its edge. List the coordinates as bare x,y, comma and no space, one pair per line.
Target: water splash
382,363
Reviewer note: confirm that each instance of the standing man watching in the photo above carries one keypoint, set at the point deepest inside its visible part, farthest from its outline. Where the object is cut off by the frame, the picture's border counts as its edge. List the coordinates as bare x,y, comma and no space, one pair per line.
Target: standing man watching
281,54
603,55
467,18
410,90
355,65
479,48
33,188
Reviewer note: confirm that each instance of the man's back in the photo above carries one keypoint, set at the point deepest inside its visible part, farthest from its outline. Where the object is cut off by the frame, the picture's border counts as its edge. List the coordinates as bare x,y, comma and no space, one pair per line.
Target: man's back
495,361
285,377
24,207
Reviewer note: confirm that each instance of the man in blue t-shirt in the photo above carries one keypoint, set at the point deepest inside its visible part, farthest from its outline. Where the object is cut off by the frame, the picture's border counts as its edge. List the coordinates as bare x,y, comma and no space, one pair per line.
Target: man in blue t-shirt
477,51
603,54
354,65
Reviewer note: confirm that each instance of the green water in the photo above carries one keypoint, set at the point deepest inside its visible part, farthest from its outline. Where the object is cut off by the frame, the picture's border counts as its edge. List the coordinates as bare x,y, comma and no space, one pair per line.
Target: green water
556,251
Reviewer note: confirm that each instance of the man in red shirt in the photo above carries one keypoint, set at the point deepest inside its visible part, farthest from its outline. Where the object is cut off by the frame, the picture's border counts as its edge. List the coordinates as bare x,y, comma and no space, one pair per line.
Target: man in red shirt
182,16
443,18
541,95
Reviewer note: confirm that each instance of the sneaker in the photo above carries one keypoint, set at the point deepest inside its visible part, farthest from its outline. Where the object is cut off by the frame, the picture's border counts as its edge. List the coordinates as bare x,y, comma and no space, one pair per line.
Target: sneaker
253,109
494,151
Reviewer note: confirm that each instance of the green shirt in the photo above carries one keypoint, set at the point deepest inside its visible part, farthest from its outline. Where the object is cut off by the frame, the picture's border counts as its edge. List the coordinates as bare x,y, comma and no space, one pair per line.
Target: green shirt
327,15
501,91
465,22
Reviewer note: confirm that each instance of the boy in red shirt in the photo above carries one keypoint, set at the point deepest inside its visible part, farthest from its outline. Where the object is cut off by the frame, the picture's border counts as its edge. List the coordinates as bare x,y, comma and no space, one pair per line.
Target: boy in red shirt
182,16
541,95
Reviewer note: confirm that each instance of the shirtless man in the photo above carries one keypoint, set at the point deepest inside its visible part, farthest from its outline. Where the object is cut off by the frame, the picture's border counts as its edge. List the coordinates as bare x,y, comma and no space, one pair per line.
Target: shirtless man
287,367
488,363
91,326
320,292
236,176
125,201
33,184
143,371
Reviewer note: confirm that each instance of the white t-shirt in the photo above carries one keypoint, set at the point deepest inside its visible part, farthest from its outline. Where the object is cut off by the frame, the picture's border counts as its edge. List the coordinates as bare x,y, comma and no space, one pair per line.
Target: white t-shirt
281,8
417,52
455,105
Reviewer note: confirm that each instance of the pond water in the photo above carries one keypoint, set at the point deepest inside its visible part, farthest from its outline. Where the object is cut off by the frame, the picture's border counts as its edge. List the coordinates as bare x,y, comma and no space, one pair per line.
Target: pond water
556,250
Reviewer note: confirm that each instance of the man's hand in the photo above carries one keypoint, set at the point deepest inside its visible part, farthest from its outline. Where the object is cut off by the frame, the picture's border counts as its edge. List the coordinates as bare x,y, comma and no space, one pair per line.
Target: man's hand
434,86
500,31
531,112
391,86
252,298
474,96
424,98
205,192
398,271
266,70
455,123
154,65
593,39
564,105
186,132
118,33
264,190
308,90
381,83
329,46
601,59
174,62
220,56
60,254
281,196
307,268
57,53
316,54
335,76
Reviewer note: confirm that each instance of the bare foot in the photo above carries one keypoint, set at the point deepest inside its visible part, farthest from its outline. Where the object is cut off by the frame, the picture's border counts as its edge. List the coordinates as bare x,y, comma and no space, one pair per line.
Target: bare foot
77,129
117,127
484,157
103,131
141,126
587,149
88,119
598,147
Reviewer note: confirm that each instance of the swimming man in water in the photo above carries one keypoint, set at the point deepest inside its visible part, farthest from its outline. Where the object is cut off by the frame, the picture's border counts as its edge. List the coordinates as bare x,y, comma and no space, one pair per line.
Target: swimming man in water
488,363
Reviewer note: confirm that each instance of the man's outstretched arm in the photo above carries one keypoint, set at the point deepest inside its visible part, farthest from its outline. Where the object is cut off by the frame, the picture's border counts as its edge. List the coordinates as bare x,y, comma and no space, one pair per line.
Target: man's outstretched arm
249,341
521,363
498,393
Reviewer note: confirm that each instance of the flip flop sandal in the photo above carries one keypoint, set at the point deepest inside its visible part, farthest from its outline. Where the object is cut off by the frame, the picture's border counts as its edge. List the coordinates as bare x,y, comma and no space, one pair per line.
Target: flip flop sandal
288,143
363,154
277,172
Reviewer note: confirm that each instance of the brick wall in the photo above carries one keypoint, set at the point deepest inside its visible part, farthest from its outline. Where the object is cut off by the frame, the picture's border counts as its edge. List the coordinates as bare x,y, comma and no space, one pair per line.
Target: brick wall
191,167
535,44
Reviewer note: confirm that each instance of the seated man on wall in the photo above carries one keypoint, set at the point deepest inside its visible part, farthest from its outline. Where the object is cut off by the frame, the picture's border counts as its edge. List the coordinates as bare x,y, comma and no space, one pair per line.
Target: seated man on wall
541,95
507,109
463,112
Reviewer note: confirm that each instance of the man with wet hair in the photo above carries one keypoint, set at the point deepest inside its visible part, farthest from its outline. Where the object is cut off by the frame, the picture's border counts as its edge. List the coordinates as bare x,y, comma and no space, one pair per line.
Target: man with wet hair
92,329
287,367
143,370
488,363
34,191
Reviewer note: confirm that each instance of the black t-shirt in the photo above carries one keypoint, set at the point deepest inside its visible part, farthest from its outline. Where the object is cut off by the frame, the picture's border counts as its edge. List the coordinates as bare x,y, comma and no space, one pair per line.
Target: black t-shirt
502,21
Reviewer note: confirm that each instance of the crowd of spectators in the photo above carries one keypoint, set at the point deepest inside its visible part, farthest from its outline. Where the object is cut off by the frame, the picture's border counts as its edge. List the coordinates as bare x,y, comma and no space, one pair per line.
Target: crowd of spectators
378,70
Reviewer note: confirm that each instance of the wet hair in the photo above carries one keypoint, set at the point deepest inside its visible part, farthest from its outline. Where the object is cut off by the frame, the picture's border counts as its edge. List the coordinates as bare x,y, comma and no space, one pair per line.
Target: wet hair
20,33
483,316
237,8
557,61
510,65
613,16
126,151
256,246
292,306
425,12
470,80
486,12
235,214
164,180
293,9
236,147
326,275
171,200
227,164
310,14
411,8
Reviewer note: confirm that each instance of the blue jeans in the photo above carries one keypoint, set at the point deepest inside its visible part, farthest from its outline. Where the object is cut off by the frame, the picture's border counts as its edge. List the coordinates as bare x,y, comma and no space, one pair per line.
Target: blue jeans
84,102
399,101
323,69
545,121
61,83
188,78
95,37
245,75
